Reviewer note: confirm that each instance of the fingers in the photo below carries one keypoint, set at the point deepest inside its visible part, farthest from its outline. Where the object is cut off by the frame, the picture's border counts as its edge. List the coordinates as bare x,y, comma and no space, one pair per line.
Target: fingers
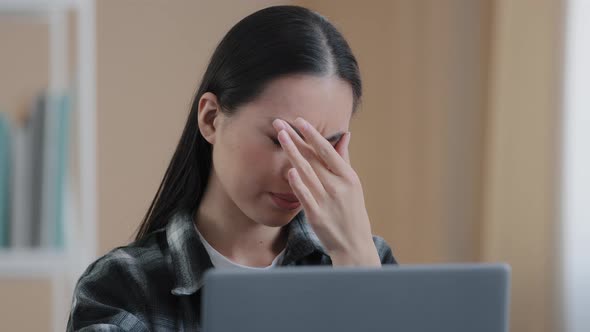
323,148
295,137
321,175
304,169
310,205
342,147
306,150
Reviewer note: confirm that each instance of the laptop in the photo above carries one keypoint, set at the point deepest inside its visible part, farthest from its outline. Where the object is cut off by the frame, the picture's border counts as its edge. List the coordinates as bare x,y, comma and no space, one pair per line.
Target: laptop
407,298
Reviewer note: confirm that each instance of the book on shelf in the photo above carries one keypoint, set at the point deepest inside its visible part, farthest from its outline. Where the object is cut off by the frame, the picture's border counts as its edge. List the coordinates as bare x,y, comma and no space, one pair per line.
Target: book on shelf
20,190
37,129
5,152
39,161
55,153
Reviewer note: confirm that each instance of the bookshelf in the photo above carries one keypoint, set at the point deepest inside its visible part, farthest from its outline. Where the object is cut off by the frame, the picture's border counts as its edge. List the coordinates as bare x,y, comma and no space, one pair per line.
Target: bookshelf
63,267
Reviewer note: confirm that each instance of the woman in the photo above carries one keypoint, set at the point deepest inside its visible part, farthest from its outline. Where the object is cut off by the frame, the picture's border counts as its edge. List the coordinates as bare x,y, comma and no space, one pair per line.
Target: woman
261,178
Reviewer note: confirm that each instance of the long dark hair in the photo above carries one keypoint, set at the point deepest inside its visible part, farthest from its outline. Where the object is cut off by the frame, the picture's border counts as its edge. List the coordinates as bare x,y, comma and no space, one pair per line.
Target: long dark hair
267,44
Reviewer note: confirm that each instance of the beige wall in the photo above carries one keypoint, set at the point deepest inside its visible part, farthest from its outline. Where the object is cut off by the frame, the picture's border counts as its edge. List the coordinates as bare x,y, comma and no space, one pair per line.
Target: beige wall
24,65
521,192
25,304
454,142
418,137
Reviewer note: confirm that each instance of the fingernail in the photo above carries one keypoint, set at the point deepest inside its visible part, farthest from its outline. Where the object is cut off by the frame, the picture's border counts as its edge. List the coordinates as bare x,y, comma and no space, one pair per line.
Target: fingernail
302,123
278,123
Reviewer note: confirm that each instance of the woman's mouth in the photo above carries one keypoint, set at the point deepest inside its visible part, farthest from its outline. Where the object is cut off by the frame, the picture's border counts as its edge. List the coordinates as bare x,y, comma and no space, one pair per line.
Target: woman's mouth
285,201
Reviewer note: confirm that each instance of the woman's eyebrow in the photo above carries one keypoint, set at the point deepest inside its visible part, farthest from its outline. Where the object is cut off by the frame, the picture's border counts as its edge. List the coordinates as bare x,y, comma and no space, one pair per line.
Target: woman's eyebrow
333,138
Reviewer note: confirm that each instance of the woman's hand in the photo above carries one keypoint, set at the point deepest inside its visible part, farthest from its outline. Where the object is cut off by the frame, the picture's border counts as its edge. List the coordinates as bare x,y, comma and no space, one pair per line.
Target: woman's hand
330,192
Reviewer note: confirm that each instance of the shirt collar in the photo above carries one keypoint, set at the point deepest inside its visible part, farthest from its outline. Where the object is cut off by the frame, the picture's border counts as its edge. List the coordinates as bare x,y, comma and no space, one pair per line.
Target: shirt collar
301,240
190,259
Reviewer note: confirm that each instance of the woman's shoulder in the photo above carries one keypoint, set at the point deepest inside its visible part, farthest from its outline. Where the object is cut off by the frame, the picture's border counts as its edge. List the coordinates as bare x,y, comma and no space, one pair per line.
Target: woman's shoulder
132,262
122,285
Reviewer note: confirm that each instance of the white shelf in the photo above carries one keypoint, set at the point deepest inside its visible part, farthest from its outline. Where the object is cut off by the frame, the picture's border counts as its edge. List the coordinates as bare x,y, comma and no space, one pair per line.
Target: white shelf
33,263
44,262
11,7
63,267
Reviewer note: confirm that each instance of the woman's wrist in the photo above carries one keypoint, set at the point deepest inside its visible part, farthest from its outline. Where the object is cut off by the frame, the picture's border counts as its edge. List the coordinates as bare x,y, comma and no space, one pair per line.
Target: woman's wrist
365,256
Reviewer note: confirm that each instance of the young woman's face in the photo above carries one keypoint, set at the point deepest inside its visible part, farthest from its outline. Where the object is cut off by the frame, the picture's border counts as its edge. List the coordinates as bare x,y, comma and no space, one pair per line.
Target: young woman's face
247,157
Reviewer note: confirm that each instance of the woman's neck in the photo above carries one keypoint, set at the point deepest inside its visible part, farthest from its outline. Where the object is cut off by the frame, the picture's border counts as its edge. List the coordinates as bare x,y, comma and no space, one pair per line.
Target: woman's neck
239,238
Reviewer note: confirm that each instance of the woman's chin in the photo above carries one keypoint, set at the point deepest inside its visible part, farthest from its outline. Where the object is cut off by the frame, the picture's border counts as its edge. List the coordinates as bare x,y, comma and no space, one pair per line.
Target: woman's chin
280,219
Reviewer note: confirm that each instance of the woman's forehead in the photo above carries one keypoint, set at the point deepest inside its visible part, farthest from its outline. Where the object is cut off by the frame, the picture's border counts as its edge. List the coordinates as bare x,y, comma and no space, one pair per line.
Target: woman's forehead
326,102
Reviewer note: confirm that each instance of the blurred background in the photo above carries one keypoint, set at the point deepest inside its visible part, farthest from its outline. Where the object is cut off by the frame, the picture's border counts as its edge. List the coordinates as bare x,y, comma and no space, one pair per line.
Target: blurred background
469,141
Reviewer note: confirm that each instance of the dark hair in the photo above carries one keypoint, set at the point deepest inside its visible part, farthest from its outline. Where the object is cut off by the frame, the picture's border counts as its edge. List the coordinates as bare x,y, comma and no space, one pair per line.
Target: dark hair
267,44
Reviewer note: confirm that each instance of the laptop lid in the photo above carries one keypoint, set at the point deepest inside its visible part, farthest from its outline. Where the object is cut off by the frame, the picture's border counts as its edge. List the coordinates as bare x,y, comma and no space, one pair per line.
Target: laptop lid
457,298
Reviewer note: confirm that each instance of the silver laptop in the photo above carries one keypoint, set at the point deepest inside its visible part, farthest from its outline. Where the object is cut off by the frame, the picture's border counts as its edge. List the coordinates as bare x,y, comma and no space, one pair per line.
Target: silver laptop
453,298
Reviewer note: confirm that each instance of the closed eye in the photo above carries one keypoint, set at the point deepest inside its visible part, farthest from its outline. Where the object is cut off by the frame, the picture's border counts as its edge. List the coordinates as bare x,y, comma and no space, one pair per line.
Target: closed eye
277,143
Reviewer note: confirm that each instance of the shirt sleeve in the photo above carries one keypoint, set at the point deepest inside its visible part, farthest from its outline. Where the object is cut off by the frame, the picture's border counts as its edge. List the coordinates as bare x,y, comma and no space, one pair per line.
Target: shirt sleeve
108,297
384,250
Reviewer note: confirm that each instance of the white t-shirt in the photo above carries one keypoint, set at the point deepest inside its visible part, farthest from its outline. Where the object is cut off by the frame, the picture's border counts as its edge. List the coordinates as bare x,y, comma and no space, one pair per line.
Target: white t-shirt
220,261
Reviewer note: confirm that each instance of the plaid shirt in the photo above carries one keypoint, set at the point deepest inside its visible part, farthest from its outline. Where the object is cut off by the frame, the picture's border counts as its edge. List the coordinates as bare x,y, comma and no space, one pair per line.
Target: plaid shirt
154,284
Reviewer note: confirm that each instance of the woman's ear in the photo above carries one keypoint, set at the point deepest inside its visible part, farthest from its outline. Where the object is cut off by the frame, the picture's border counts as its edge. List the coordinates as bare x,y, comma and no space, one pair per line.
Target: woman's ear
209,116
